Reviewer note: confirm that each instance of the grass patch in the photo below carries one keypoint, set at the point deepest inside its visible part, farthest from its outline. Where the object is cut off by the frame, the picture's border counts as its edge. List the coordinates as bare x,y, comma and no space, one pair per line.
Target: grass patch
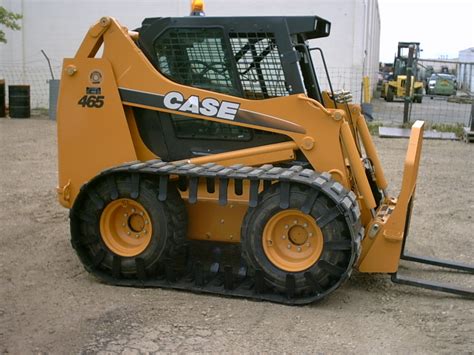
374,127
456,128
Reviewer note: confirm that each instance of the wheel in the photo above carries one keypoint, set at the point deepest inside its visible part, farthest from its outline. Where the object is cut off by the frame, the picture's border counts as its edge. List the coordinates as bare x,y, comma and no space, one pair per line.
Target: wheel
123,234
389,96
418,97
287,241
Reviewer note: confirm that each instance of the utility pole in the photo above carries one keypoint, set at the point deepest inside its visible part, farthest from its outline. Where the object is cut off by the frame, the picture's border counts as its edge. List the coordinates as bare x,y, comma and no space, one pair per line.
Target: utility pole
408,85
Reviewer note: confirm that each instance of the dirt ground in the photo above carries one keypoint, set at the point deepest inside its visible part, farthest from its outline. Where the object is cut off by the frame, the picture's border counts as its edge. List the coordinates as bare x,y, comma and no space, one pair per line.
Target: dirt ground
48,303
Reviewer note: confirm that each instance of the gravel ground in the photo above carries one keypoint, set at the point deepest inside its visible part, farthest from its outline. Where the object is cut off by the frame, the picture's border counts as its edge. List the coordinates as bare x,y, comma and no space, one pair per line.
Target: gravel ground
48,303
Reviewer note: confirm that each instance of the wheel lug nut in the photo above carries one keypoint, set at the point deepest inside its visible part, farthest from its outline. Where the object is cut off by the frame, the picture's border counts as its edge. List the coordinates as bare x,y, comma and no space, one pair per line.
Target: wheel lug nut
123,224
299,249
295,222
144,231
305,225
287,226
128,233
289,246
308,245
137,236
125,214
141,213
283,237
133,210
310,234
146,221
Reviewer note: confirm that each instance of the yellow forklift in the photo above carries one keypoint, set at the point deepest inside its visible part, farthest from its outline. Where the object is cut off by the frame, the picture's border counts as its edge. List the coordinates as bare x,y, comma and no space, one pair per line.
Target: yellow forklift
404,78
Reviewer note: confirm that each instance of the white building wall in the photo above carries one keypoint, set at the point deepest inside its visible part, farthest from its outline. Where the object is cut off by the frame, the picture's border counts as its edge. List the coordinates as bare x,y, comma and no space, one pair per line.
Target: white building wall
466,70
58,26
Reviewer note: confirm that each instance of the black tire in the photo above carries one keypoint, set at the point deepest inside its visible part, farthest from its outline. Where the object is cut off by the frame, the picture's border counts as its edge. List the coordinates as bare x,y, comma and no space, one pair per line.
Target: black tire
335,231
168,220
389,96
418,96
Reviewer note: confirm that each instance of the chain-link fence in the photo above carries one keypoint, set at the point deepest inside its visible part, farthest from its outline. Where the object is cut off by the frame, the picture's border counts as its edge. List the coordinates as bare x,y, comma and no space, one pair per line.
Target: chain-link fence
438,109
343,79
35,74
434,109
454,109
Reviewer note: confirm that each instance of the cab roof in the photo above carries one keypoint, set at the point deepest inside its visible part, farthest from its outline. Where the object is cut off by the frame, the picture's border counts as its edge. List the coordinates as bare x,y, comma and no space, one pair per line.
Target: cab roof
308,27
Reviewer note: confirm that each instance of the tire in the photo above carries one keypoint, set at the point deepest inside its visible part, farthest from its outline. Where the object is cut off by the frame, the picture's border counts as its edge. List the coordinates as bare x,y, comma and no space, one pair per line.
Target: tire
337,230
167,219
418,96
389,96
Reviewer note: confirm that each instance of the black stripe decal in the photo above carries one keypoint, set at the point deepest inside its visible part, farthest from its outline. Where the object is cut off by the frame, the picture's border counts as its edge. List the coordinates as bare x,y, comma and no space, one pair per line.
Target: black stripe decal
142,98
255,118
243,116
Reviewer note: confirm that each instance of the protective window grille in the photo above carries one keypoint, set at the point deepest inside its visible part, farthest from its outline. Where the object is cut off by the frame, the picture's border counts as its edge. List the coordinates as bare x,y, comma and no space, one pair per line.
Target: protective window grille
196,57
258,64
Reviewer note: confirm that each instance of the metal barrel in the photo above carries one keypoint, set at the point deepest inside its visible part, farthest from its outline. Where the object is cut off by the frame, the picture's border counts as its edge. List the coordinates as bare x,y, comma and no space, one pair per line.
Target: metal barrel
53,98
19,101
2,98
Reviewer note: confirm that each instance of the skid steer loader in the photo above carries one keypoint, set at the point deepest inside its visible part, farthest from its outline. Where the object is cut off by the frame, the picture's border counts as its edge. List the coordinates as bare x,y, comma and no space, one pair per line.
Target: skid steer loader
199,153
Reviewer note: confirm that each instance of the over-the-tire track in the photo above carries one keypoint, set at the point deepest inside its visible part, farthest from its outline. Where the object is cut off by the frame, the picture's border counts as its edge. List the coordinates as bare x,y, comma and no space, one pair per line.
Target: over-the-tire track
225,279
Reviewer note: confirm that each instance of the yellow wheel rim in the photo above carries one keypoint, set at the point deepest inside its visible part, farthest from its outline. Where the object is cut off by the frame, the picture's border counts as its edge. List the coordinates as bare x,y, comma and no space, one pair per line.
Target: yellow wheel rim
125,227
292,241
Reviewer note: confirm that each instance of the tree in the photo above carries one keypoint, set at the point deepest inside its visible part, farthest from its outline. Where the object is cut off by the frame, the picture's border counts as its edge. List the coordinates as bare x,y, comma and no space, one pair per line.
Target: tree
9,20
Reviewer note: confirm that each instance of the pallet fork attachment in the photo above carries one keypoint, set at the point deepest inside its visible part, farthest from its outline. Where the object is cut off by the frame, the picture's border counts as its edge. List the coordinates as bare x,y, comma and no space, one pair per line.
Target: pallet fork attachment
427,284
406,199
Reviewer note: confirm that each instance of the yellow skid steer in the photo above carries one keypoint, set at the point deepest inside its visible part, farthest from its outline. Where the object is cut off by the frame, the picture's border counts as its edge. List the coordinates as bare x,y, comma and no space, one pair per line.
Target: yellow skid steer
199,153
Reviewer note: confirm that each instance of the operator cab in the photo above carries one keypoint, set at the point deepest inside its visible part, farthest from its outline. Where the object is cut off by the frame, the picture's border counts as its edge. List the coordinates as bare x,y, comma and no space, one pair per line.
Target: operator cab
248,57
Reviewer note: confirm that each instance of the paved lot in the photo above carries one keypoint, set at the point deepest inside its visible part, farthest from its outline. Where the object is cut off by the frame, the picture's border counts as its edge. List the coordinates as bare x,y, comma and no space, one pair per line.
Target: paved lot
48,303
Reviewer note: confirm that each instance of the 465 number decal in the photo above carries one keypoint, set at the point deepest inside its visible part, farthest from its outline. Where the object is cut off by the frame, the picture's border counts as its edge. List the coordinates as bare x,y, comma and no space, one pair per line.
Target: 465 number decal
92,101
